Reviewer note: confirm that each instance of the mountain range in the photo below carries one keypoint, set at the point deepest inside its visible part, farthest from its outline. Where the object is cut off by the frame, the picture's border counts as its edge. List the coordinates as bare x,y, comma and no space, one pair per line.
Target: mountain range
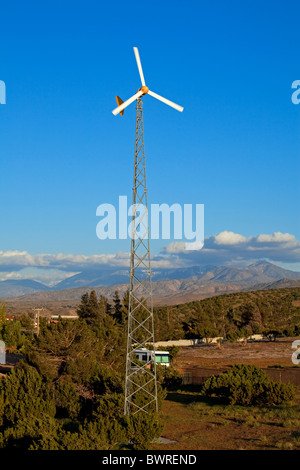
169,285
16,287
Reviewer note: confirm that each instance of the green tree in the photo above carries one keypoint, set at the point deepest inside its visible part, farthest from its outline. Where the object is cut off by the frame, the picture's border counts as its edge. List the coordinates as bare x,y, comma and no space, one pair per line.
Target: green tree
118,308
27,407
10,333
69,347
2,314
247,385
90,309
26,322
142,428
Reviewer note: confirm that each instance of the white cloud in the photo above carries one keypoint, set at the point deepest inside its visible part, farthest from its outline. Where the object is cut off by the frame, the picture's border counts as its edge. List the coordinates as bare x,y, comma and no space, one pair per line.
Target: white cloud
277,237
228,248
46,276
175,247
21,259
224,248
229,238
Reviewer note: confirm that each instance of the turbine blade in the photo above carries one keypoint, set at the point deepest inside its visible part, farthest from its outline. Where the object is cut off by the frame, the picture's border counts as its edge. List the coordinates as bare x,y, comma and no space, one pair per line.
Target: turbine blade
164,100
138,61
127,103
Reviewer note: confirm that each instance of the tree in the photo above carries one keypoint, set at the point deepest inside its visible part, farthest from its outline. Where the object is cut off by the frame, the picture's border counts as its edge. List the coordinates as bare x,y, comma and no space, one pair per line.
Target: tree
69,347
27,322
272,335
27,407
108,310
251,317
90,309
10,333
208,334
126,304
168,377
118,309
2,314
142,428
103,306
247,385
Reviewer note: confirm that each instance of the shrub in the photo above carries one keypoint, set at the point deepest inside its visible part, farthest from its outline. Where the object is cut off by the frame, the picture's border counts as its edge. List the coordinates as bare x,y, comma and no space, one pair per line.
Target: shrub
66,397
171,378
142,428
247,385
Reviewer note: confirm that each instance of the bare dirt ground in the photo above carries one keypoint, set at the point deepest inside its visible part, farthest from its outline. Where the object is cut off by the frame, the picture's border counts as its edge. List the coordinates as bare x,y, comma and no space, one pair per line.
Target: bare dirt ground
195,424
259,353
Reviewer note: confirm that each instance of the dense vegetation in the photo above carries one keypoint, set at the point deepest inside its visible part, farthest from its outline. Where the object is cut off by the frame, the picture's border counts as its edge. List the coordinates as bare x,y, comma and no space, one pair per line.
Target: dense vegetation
232,316
10,332
247,385
67,391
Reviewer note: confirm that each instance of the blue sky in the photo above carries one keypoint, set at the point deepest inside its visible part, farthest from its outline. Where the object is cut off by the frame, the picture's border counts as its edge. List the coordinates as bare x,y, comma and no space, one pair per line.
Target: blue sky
235,148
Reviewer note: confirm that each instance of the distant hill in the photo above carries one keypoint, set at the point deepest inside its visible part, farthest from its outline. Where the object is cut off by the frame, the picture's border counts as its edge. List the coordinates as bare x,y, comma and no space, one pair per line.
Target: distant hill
13,288
170,286
164,292
281,284
257,273
110,277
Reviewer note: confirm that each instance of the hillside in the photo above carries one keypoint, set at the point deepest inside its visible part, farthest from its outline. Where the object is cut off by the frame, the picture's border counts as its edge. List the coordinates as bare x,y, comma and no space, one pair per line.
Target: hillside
16,287
282,283
230,314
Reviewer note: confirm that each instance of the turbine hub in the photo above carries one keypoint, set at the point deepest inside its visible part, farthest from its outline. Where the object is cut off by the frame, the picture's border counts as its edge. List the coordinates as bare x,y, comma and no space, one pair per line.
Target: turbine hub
145,89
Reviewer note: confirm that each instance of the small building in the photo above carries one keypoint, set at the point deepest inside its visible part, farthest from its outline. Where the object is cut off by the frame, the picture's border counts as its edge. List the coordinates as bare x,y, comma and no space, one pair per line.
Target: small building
10,318
146,355
55,318
2,352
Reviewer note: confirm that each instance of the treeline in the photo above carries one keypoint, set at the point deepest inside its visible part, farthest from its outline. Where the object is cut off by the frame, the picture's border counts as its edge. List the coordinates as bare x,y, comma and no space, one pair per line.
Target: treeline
231,316
271,312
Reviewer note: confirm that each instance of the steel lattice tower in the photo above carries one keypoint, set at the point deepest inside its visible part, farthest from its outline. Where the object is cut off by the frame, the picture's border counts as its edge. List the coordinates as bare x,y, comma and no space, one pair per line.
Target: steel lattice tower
140,381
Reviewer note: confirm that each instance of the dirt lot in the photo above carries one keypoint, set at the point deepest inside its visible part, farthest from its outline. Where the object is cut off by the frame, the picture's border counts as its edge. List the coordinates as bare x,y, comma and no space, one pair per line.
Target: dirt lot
195,424
259,353
199,362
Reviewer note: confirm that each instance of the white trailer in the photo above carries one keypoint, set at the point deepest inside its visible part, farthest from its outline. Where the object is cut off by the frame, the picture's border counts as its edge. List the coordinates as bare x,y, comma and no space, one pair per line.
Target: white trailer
146,355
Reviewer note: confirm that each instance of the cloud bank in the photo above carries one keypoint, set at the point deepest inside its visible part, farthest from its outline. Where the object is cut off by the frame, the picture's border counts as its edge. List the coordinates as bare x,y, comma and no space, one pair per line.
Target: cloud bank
232,248
224,248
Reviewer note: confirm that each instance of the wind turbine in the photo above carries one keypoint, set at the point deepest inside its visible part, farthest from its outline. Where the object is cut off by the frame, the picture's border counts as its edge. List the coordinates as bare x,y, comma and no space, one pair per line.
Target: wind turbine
144,90
140,380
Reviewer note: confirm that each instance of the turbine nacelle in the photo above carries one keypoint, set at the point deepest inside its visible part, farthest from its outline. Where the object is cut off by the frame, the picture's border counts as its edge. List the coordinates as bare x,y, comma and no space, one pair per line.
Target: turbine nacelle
144,90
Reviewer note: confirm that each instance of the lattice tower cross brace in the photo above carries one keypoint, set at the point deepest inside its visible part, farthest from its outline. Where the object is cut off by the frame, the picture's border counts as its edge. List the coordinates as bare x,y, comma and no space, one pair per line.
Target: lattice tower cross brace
140,381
